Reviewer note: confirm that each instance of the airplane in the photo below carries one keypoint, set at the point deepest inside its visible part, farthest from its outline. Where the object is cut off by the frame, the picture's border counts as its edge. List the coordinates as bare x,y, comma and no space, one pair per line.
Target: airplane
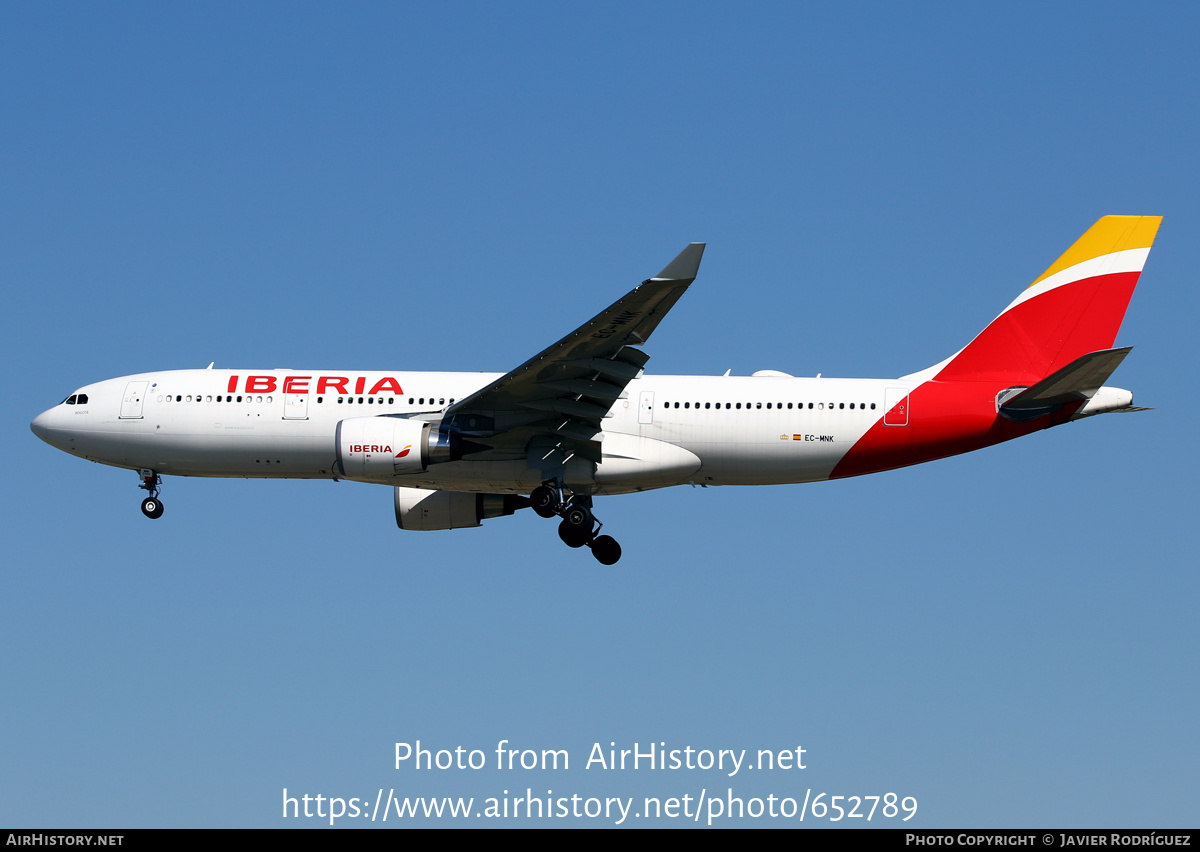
581,419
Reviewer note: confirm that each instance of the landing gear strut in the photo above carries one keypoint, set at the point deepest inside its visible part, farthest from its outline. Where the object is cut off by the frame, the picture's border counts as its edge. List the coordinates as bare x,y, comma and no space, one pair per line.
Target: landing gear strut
152,507
578,525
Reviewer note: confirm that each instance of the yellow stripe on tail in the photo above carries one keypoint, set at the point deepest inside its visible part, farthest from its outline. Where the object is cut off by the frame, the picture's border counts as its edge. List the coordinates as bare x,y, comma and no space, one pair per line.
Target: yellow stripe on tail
1111,233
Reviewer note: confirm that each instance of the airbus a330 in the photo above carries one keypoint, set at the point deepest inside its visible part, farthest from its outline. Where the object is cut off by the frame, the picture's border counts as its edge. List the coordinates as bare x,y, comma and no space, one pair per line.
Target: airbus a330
581,419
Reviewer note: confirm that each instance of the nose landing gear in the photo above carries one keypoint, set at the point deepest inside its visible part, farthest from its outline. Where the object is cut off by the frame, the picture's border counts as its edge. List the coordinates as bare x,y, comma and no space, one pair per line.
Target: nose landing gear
578,525
152,507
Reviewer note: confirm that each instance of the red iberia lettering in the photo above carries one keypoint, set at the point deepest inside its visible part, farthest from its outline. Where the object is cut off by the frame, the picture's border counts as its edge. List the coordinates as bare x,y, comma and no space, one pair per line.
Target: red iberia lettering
260,384
326,382
387,384
296,384
369,448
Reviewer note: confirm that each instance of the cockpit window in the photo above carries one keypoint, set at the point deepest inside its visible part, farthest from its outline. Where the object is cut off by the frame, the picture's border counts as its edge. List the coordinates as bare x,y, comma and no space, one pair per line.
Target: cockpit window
82,399
69,400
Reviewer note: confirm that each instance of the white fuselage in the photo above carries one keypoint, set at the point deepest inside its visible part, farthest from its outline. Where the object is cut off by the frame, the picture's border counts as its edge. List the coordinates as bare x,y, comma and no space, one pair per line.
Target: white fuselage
665,430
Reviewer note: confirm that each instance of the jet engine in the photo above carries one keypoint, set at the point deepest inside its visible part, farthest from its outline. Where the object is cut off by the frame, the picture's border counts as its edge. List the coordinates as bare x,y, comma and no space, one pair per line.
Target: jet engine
373,447
418,509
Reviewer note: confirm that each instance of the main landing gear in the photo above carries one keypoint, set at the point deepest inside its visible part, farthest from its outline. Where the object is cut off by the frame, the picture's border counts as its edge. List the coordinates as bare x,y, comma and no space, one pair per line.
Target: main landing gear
152,507
578,526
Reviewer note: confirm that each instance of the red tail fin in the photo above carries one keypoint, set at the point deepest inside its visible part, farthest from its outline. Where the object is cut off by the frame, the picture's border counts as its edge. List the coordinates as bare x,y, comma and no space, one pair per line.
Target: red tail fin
1074,308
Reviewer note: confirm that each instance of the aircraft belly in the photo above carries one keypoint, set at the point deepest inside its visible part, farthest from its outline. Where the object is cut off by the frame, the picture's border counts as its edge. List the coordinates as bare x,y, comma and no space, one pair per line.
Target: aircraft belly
807,452
633,462
779,462
185,449
245,455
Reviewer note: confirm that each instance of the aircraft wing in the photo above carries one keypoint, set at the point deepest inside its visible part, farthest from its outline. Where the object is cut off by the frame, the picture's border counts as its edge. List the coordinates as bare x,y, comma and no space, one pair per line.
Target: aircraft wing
566,390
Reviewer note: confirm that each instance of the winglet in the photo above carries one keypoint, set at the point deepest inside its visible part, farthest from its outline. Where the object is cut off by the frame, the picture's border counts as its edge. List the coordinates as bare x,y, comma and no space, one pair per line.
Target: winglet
685,266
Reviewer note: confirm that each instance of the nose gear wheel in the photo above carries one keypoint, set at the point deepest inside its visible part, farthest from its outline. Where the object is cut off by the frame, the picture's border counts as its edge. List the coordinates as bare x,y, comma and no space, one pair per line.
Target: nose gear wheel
152,507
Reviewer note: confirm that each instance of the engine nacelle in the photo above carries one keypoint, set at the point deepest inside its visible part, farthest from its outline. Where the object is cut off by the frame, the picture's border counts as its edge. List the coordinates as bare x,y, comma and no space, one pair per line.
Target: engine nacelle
374,447
418,509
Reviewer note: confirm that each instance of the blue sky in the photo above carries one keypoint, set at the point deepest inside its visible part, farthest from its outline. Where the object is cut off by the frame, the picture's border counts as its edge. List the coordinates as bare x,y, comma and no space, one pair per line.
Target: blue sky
1008,636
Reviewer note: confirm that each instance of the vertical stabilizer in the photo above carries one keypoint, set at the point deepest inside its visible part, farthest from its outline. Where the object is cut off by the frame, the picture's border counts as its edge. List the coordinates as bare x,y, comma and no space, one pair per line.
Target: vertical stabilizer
1073,308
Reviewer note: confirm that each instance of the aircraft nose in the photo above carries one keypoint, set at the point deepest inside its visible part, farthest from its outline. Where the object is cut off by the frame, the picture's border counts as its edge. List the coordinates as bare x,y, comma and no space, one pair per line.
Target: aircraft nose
41,426
49,427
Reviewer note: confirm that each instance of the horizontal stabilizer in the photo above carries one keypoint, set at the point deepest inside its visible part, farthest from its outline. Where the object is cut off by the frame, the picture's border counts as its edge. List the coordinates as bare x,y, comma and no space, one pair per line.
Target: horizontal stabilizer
1078,381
